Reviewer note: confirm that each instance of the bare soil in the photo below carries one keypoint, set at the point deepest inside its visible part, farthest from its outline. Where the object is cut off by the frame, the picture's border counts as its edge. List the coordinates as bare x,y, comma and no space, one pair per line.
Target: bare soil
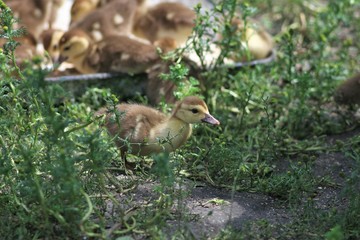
209,210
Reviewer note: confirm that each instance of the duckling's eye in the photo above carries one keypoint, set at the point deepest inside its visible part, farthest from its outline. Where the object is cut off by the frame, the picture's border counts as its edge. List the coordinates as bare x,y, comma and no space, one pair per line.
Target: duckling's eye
194,110
67,48
55,47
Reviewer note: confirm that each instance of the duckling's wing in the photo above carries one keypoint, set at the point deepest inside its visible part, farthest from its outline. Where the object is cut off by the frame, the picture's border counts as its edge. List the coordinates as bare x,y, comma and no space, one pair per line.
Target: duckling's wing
94,60
113,18
93,24
173,14
122,54
135,122
121,19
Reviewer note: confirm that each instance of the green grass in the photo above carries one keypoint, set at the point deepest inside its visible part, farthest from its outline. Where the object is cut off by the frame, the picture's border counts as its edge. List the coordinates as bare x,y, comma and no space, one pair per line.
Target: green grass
60,171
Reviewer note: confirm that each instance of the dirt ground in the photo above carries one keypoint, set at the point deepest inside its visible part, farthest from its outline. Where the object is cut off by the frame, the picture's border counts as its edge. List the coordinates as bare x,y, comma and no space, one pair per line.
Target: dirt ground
209,210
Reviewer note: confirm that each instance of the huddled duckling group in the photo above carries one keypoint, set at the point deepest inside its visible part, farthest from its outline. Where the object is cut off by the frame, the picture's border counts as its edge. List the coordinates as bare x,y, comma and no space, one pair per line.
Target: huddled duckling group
116,53
93,22
121,36
165,25
34,16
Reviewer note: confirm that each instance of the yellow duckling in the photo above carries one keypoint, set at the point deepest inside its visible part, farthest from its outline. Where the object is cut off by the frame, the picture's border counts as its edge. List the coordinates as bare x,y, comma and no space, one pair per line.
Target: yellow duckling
253,37
142,130
112,54
259,42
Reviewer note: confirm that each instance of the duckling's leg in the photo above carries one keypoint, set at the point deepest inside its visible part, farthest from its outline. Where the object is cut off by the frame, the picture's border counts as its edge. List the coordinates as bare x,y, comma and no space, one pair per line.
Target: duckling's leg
123,155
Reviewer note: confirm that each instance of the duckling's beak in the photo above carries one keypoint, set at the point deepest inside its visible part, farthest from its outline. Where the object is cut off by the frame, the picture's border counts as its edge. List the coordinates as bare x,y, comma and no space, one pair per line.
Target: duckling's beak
210,119
61,59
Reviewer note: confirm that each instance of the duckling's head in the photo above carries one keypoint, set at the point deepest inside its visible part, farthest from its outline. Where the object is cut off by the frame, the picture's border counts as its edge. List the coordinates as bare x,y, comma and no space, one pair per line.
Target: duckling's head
50,39
194,110
73,44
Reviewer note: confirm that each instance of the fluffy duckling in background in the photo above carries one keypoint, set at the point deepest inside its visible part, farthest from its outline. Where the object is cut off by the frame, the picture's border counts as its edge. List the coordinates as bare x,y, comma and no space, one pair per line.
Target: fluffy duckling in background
259,42
114,18
158,89
113,54
168,19
142,130
34,15
349,91
51,39
81,8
